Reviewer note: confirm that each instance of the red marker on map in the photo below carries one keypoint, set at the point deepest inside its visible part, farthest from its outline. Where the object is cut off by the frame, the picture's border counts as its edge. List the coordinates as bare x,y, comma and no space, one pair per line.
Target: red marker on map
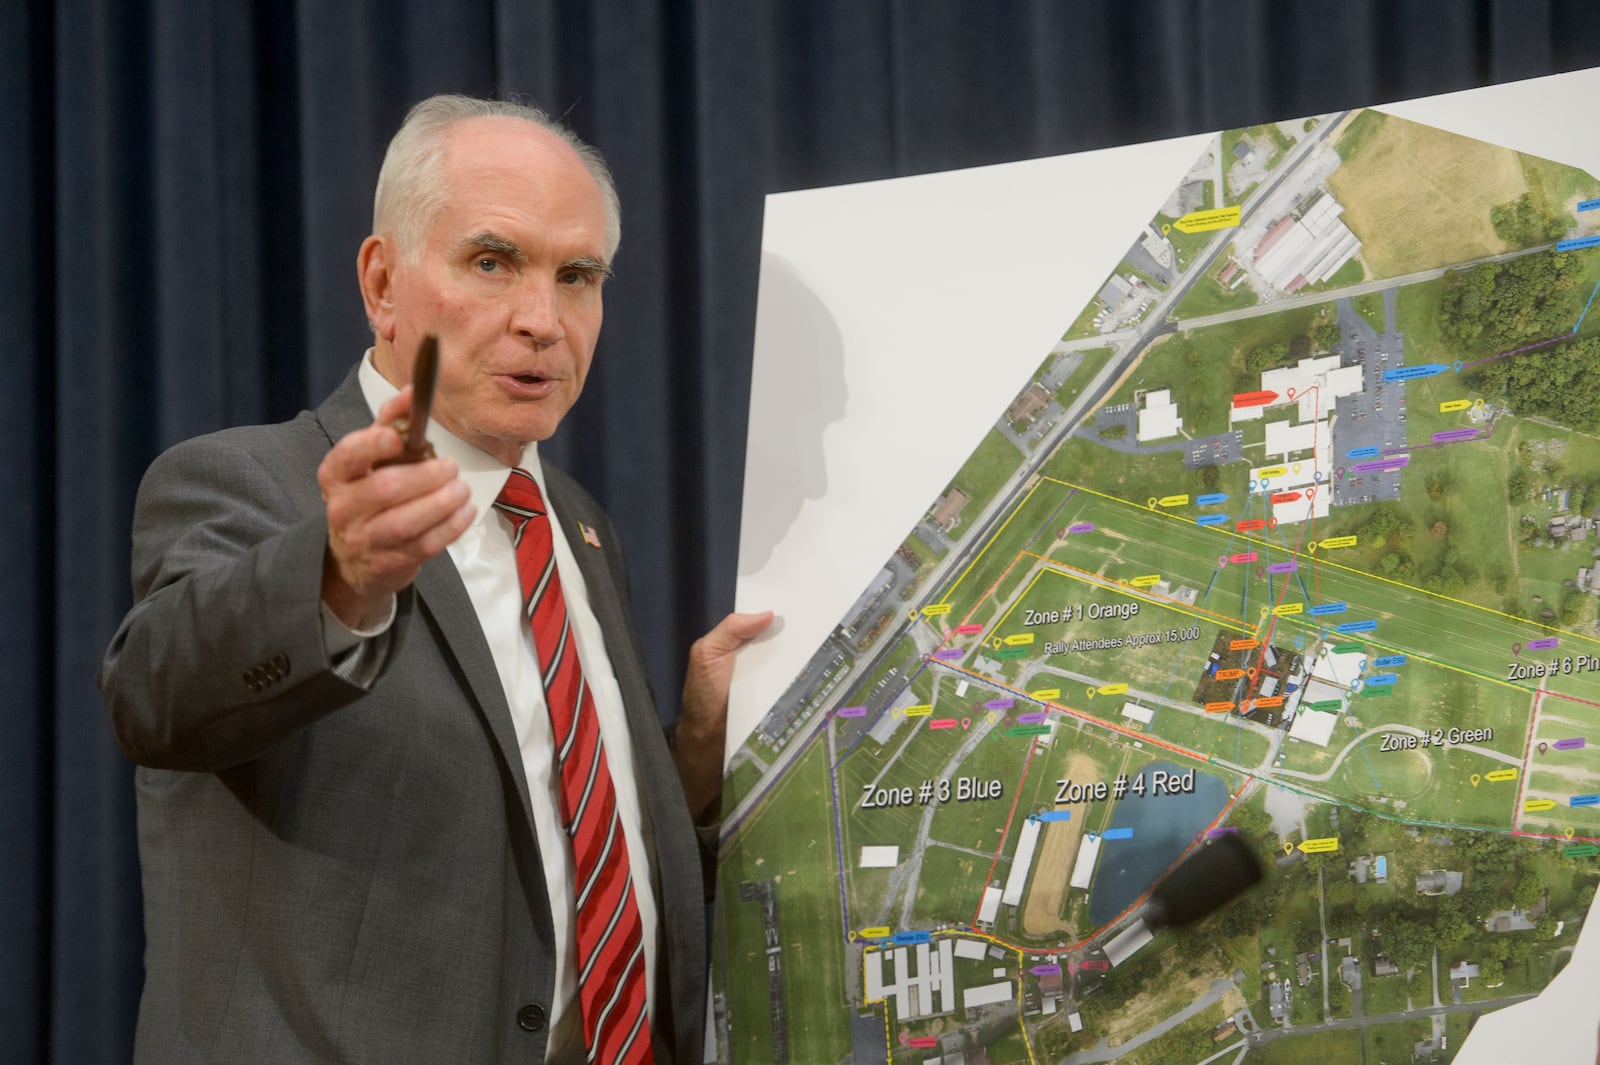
1253,399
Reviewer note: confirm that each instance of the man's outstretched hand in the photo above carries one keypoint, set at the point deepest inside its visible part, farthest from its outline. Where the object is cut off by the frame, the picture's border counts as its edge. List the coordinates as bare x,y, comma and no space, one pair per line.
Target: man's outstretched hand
702,730
384,523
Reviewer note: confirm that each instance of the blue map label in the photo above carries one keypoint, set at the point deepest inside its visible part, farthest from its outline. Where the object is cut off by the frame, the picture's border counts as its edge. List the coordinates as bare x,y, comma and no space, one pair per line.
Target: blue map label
1211,519
1322,609
1211,499
1127,833
1589,205
1413,373
1356,626
1578,244
1390,660
1382,680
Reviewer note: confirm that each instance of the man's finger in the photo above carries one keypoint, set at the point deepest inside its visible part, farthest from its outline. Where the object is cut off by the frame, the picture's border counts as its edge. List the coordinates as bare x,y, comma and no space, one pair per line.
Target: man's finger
390,486
734,631
399,527
355,453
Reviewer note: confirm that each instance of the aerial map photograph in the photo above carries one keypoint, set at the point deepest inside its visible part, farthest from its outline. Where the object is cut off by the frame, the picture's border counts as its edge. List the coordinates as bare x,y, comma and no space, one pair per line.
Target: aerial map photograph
1294,537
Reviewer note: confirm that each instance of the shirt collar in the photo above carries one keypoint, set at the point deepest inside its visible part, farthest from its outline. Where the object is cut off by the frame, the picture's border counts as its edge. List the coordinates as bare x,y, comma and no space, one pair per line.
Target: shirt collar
483,474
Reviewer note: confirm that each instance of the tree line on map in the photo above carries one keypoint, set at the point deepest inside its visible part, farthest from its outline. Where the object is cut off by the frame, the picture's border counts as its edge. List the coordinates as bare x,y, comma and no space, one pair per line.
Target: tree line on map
1498,307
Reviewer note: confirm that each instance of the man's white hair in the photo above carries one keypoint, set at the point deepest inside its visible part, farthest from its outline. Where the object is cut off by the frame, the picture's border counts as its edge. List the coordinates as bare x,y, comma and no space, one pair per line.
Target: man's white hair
411,187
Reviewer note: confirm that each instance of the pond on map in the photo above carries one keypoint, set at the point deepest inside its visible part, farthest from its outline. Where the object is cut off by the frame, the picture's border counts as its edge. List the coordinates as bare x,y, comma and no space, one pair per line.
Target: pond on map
1163,827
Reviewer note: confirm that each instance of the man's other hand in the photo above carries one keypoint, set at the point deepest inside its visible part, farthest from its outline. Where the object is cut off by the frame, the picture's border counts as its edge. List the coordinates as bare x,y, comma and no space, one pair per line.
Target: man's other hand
383,524
702,730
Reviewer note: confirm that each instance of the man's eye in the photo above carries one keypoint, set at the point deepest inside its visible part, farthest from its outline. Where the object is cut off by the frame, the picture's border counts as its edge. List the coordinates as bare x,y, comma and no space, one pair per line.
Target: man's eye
488,264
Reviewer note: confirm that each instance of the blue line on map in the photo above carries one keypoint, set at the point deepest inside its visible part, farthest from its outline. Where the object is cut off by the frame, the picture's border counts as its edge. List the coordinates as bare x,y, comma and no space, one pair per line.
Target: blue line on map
1127,833
1588,205
1586,307
1578,243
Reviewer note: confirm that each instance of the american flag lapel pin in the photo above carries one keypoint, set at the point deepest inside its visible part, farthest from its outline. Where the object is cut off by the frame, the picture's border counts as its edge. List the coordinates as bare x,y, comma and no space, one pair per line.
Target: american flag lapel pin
590,537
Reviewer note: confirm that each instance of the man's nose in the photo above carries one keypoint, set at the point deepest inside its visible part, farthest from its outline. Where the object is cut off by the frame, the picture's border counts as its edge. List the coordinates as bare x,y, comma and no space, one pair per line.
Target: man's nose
537,313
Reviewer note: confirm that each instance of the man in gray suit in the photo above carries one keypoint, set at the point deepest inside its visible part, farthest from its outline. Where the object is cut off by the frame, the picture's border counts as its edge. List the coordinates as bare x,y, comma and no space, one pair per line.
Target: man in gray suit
348,791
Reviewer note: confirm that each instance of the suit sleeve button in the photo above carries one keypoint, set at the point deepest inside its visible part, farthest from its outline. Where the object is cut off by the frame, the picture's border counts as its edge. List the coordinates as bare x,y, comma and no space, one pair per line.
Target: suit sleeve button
530,1018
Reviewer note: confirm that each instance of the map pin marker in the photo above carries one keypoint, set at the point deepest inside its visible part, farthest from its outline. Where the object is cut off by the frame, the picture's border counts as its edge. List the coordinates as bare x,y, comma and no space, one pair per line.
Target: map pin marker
1288,848
1569,832
1475,779
1543,747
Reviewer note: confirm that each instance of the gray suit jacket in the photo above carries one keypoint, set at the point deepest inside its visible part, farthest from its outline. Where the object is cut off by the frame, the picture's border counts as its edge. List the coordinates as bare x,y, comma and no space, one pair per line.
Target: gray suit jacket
333,874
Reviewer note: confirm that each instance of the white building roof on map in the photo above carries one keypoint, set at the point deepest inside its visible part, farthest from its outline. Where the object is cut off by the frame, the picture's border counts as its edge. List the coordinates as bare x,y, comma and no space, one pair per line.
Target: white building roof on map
1286,439
971,949
1313,383
1021,863
882,857
1314,726
1158,418
1308,249
1337,668
1319,691
990,906
1083,868
987,995
1138,713
1128,942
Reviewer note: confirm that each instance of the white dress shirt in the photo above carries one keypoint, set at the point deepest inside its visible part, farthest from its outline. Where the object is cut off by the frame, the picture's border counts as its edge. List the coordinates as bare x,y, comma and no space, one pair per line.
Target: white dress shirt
486,560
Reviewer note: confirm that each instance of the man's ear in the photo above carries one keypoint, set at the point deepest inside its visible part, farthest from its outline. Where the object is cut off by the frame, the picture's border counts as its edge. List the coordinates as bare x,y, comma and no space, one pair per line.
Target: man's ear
375,264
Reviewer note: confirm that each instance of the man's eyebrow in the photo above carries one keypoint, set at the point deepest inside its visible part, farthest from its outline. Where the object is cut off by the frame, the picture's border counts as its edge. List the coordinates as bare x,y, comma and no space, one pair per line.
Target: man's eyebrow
592,264
487,241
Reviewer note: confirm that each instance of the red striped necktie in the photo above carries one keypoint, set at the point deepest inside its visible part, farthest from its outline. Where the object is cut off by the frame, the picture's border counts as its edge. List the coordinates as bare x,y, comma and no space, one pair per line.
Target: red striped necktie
611,977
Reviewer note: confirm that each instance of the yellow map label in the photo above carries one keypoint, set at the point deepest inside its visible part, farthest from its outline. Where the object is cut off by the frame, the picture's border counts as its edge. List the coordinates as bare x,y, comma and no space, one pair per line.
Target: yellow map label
1046,693
922,710
1450,406
1337,541
1175,501
1273,471
935,610
1113,689
1534,806
876,933
1205,221
1148,580
1325,845
1285,610
1018,639
1500,775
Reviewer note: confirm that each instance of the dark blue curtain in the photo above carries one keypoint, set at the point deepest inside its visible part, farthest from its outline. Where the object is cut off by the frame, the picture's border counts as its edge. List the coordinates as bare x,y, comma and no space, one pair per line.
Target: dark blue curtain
183,187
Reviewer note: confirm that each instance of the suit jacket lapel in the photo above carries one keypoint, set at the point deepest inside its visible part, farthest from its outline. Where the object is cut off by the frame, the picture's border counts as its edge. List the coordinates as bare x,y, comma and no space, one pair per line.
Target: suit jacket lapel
440,591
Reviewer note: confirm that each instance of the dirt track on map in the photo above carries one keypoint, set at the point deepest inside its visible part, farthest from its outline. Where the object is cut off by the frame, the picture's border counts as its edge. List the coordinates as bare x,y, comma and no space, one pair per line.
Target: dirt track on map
1047,887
